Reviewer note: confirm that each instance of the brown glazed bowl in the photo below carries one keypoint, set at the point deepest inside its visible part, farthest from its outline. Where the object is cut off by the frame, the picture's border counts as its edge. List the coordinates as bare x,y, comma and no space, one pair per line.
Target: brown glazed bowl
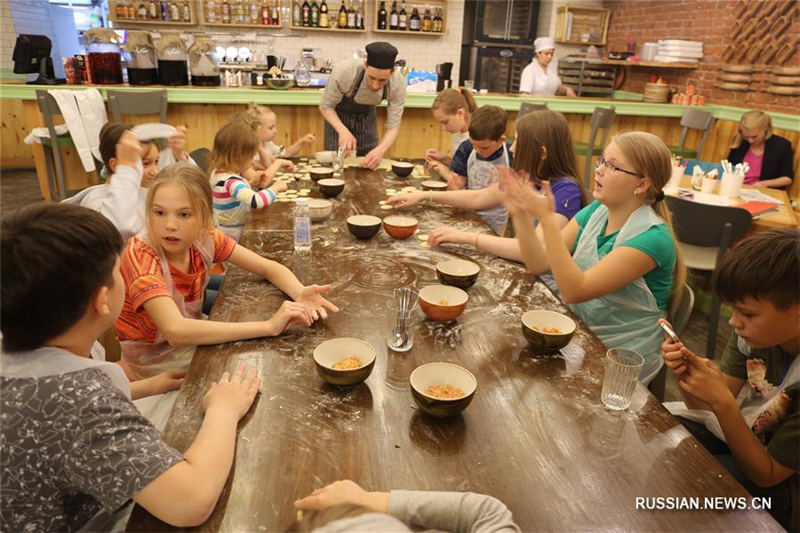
400,227
331,187
458,272
402,169
363,226
318,173
534,323
442,374
442,303
433,185
330,351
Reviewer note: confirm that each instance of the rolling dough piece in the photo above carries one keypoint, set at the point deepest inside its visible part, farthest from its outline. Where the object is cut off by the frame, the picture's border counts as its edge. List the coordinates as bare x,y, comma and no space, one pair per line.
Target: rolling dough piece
423,237
387,207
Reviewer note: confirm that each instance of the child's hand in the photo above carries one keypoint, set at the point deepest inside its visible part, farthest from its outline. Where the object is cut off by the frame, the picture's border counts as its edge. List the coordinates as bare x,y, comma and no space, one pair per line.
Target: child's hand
177,143
520,197
406,199
447,234
285,163
436,155
166,381
311,297
671,353
287,314
705,381
438,166
278,186
344,492
308,138
233,394
129,150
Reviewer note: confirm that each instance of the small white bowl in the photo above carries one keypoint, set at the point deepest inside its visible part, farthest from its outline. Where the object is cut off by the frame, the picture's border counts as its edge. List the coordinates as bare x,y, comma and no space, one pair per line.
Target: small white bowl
325,157
319,209
331,351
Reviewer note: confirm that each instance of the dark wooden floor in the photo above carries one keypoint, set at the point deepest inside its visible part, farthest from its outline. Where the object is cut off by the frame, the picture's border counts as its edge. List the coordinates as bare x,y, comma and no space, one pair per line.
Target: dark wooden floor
19,187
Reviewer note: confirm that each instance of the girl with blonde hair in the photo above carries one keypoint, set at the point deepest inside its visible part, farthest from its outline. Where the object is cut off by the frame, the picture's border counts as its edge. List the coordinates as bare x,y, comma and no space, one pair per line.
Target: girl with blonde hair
267,129
452,109
769,156
615,263
165,269
234,196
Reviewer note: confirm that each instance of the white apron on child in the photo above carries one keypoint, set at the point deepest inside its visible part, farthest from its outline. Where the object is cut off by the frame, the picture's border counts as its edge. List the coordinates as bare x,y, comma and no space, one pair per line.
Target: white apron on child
481,174
143,359
751,408
628,317
52,361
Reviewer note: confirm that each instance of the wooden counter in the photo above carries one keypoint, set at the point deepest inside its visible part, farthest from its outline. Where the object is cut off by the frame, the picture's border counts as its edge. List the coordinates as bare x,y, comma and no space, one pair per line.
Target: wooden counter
204,110
536,435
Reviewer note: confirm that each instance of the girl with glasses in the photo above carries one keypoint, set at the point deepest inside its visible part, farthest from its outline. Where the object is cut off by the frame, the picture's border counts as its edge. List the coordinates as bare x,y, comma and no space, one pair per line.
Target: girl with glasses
615,263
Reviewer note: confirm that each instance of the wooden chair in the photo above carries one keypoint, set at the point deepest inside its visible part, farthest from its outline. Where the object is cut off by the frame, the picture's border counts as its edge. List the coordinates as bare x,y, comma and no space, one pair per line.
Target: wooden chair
704,234
602,120
137,103
693,119
54,163
529,107
201,156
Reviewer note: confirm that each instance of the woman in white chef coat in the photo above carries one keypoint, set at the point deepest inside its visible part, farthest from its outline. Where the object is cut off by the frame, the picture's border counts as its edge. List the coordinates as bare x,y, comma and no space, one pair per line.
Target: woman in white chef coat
541,75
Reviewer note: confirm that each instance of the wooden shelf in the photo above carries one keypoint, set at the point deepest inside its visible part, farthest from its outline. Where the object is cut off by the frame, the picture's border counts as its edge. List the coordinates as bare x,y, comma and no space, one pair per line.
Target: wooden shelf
219,24
151,22
572,22
240,25
410,5
648,64
407,32
330,30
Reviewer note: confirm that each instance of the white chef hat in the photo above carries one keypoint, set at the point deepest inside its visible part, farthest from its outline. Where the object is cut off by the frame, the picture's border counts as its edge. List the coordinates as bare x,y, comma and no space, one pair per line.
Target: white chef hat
543,43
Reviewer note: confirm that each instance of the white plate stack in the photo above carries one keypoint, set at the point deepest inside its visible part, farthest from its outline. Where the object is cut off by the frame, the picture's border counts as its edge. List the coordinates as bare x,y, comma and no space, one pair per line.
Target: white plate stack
678,51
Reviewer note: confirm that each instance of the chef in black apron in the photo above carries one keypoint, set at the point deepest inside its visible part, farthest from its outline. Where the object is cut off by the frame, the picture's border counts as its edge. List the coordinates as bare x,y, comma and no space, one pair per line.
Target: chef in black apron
353,90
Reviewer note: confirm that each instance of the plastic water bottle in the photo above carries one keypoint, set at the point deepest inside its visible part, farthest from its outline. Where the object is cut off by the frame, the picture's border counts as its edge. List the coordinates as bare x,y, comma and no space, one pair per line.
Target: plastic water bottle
302,226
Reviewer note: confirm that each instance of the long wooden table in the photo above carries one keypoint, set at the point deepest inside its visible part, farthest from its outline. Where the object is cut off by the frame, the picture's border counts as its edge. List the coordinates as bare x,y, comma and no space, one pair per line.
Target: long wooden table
536,435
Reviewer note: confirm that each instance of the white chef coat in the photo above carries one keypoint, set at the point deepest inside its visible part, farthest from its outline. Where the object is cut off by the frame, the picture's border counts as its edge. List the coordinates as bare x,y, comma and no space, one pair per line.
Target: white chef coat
536,80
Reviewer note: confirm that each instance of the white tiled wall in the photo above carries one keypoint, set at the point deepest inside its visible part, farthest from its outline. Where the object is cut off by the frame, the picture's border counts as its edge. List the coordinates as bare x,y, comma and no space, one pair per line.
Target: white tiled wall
8,35
26,16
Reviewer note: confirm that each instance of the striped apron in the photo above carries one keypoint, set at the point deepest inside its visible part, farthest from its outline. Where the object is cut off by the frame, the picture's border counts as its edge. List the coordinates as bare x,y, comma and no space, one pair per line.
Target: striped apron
360,119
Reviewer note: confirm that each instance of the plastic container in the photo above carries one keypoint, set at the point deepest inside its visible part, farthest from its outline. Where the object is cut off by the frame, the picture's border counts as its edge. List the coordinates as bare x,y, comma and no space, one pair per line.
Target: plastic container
203,62
104,60
302,226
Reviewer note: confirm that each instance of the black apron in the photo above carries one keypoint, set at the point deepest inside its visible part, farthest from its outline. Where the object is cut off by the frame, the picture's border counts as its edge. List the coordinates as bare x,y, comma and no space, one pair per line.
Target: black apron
360,119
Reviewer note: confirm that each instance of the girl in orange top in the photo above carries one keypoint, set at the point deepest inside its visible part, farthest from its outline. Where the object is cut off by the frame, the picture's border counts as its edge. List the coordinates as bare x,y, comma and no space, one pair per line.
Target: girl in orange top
165,269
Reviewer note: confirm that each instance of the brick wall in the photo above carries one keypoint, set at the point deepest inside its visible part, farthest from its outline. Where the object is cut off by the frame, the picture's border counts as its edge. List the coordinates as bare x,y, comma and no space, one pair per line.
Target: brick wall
708,21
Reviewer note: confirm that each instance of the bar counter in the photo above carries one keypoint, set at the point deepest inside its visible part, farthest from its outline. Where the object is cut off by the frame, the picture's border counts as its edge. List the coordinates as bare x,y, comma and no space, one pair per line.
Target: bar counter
203,110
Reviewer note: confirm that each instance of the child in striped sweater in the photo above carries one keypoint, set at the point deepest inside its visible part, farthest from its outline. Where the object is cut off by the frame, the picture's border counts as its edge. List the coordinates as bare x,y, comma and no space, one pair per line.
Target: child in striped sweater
234,149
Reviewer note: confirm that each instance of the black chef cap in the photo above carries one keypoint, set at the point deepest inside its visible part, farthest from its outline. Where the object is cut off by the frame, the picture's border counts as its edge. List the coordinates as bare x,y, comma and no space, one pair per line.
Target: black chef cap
381,55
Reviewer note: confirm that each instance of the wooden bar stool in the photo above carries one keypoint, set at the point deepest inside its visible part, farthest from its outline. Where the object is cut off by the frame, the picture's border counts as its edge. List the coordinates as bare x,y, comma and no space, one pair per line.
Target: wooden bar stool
693,119
602,119
529,107
137,103
51,146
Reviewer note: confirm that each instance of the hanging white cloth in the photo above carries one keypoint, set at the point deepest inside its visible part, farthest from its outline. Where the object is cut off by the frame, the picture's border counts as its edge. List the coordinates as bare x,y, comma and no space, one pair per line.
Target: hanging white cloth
84,114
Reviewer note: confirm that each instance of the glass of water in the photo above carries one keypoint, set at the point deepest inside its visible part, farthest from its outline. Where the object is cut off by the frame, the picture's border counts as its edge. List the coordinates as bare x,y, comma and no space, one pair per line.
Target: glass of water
622,369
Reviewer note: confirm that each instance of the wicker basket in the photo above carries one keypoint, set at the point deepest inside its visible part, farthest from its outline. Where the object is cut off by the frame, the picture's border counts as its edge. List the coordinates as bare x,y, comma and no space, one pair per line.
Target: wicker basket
654,92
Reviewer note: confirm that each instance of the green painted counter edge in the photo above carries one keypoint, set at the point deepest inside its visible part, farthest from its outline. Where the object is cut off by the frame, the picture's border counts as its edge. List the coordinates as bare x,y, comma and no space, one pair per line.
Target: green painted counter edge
624,101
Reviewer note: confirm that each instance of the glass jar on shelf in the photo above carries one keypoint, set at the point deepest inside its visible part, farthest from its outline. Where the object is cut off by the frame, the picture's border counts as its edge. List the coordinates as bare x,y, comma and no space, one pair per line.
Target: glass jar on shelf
203,62
140,58
103,56
172,59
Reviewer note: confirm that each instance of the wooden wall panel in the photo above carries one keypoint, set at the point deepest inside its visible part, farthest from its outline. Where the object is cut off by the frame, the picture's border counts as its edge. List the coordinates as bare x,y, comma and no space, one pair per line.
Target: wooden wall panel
13,152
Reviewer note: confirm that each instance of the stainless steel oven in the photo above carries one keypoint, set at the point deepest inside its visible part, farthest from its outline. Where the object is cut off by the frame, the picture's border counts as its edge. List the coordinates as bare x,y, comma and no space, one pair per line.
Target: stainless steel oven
496,68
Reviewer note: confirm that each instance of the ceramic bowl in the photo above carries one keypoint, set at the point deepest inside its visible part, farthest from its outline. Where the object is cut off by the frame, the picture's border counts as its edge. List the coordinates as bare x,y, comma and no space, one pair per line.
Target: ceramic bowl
402,169
432,185
280,83
319,209
442,374
442,303
330,351
458,272
320,173
325,157
534,324
331,187
400,227
363,226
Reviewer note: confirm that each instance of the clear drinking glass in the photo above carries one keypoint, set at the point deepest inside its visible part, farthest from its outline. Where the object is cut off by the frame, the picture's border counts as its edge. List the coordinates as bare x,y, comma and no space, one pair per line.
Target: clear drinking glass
622,369
400,327
302,76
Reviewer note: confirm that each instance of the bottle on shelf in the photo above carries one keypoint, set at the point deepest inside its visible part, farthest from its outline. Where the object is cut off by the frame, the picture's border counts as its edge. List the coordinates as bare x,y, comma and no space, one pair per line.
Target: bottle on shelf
210,11
393,16
342,16
174,12
306,14
382,16
402,19
302,226
265,16
121,10
296,20
414,23
254,12
351,17
186,11
426,20
438,23
324,22
152,10
164,10
141,11
275,16
226,12
359,16
314,14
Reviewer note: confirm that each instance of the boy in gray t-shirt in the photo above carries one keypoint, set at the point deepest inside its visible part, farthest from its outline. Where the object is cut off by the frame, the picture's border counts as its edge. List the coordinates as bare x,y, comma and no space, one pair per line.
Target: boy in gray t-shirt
73,443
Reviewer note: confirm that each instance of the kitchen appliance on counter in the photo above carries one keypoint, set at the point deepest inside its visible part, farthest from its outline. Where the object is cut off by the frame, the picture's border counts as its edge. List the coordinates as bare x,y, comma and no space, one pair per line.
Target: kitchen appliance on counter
443,73
497,43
